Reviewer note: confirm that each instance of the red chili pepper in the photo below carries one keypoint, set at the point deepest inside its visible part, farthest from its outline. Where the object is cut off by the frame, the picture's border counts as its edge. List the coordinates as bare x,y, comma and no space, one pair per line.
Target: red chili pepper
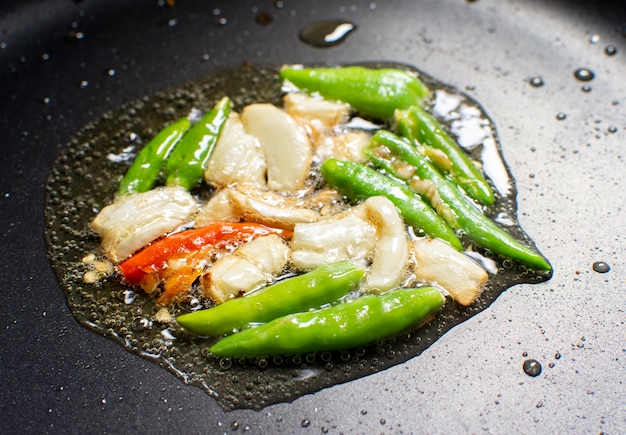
154,257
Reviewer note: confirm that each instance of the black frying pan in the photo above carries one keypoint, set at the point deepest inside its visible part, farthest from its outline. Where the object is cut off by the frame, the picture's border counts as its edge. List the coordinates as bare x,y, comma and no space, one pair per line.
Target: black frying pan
66,63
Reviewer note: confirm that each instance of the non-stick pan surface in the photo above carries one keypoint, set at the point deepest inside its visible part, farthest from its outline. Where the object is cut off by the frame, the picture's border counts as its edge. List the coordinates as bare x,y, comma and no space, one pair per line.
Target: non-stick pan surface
65,63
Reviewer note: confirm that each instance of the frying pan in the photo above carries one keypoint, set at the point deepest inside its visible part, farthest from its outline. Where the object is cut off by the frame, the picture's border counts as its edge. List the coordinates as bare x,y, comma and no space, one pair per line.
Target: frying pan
66,63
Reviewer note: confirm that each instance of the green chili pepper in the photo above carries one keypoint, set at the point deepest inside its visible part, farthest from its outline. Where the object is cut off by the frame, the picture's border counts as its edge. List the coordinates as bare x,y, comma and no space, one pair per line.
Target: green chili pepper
358,182
144,171
464,214
343,326
417,124
188,161
324,285
371,92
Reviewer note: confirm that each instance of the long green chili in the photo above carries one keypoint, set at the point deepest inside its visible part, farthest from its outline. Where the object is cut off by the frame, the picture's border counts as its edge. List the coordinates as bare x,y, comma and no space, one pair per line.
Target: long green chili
371,92
460,213
188,161
343,326
144,171
358,182
417,124
324,285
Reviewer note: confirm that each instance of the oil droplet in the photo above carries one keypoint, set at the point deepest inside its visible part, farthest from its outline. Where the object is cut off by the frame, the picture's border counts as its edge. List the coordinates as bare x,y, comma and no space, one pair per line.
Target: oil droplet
305,423
561,116
279,4
584,74
601,267
612,129
594,39
111,72
532,367
264,18
83,84
45,100
557,355
74,36
610,50
586,88
221,21
44,57
326,33
536,82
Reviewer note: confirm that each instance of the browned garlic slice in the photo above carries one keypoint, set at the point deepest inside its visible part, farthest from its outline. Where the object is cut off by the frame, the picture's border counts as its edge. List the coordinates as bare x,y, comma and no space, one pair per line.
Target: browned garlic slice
133,221
347,236
391,254
238,157
438,263
270,208
285,145
316,110
218,209
250,267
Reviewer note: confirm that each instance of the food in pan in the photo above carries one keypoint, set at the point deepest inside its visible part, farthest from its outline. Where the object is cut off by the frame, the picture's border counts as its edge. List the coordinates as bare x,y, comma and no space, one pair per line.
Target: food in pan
303,208
319,234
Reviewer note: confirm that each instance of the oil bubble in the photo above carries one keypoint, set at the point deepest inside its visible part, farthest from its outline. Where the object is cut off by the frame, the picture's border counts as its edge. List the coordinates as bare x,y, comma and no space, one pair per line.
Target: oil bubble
305,423
561,116
584,74
594,39
532,367
610,50
221,21
74,36
612,129
586,88
601,267
536,82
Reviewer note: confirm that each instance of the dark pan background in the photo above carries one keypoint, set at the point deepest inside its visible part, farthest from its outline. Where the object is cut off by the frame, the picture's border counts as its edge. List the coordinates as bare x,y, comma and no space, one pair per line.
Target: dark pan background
59,377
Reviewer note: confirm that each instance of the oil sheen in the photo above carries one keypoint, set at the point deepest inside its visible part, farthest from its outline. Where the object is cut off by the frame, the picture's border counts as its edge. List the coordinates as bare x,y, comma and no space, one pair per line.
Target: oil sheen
84,179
